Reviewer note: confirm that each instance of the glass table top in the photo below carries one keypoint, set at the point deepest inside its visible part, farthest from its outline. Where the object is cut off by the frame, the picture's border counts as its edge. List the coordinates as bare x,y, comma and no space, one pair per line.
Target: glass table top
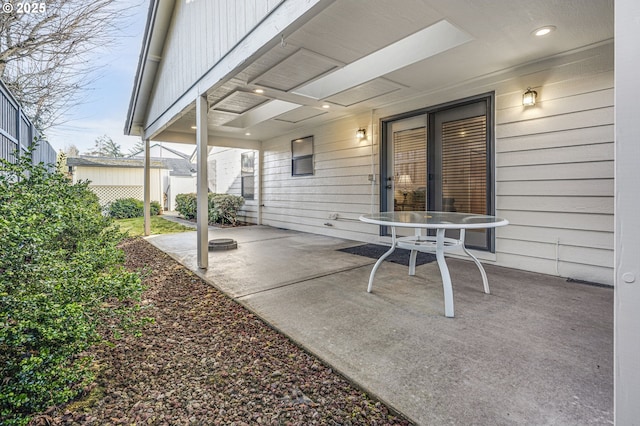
429,219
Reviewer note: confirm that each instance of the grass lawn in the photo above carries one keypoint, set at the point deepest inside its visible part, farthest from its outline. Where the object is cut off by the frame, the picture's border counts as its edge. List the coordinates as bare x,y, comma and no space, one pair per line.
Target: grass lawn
159,225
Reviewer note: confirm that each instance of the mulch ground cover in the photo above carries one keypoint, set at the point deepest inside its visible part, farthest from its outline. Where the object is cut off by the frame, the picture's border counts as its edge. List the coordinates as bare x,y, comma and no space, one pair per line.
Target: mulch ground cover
206,360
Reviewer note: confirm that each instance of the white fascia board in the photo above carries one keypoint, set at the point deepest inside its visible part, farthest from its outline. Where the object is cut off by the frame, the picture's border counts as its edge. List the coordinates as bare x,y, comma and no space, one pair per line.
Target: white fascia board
157,24
424,44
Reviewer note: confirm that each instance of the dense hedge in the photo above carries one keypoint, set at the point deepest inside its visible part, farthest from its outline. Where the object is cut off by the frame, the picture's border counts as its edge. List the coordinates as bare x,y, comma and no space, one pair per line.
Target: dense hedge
61,275
223,208
125,208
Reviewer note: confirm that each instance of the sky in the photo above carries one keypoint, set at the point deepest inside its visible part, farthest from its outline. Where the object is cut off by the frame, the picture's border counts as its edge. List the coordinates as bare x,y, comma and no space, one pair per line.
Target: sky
108,97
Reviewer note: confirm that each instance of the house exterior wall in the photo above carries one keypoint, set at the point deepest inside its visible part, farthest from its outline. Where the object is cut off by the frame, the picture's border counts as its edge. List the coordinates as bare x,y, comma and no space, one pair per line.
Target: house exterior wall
178,185
225,164
554,168
111,183
339,184
200,34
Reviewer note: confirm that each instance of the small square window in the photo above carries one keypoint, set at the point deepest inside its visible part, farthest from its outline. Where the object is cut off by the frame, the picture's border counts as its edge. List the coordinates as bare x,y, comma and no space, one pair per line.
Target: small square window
247,175
302,156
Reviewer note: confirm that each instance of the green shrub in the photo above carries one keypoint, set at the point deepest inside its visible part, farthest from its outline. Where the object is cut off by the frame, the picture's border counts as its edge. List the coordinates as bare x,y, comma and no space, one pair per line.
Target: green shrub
61,275
186,205
126,208
155,208
222,209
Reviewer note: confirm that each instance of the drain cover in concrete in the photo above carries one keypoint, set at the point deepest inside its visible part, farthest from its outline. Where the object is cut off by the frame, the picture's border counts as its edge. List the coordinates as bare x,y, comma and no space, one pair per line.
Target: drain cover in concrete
222,244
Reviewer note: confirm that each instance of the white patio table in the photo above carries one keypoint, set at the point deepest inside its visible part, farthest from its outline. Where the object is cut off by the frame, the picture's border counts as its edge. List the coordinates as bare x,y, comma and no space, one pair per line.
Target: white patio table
440,221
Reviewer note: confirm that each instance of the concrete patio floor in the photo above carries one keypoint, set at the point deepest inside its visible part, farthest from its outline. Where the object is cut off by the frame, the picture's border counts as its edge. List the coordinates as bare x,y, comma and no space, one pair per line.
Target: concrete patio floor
537,350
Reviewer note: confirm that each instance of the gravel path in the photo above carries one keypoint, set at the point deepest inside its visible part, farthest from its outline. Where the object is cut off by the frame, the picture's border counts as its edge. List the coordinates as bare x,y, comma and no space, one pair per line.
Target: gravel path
207,360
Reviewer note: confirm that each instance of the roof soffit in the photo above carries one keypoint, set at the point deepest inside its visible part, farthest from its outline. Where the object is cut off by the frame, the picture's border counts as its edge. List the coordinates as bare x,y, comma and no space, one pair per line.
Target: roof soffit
498,37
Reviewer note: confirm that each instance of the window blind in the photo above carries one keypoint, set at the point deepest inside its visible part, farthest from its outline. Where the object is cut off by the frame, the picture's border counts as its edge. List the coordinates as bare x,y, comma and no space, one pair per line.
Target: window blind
464,164
410,169
410,155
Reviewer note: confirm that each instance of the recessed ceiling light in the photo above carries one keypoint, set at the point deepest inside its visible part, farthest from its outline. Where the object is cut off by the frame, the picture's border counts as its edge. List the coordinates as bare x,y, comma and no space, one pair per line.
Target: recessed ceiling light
248,134
258,91
542,31
194,127
326,106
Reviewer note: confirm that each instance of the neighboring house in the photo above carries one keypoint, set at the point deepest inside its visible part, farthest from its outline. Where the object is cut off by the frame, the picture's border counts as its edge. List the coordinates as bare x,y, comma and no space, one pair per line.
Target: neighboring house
114,178
356,107
233,171
158,150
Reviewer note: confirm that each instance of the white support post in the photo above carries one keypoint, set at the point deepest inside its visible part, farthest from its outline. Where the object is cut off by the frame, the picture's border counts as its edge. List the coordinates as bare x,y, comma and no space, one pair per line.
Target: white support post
147,189
259,184
627,233
202,183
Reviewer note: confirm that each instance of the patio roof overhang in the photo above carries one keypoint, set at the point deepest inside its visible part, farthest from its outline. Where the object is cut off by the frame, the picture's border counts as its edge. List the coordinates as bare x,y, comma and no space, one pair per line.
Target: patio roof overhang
330,60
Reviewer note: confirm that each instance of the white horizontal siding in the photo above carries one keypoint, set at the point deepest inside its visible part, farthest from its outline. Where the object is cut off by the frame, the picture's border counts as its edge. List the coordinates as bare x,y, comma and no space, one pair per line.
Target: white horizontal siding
555,173
111,183
559,235
555,204
560,187
111,175
582,171
339,184
554,169
571,137
586,222
530,262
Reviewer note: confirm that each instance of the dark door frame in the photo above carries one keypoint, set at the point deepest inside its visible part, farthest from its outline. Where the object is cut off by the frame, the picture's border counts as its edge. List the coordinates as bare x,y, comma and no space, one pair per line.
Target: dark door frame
489,98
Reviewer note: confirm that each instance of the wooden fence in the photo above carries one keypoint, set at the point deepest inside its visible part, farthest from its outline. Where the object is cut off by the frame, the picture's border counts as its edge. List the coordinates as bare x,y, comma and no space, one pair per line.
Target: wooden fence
17,132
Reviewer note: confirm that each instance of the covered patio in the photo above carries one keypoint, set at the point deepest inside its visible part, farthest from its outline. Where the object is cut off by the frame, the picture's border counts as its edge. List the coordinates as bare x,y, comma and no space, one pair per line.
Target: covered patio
320,89
537,350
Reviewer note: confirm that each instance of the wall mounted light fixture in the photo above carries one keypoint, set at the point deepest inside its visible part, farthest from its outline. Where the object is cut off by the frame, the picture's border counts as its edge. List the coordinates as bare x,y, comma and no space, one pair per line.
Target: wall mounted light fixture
361,134
529,97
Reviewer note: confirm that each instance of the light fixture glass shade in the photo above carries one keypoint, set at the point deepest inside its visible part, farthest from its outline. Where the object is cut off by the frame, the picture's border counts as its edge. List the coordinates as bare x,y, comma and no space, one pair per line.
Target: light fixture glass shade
529,97
361,134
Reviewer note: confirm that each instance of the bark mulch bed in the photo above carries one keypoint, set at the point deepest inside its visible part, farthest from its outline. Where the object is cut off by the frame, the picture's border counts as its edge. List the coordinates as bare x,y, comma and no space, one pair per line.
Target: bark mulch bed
207,360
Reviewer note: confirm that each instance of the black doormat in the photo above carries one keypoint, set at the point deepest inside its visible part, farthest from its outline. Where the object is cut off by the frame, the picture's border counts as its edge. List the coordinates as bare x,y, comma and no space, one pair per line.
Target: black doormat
400,256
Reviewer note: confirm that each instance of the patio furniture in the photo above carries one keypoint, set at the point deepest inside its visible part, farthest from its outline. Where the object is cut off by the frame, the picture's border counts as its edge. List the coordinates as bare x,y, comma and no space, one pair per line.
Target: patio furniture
440,221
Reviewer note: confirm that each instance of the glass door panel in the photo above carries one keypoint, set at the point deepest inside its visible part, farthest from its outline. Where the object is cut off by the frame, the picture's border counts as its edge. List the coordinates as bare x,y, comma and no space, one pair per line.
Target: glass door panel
406,167
460,183
410,169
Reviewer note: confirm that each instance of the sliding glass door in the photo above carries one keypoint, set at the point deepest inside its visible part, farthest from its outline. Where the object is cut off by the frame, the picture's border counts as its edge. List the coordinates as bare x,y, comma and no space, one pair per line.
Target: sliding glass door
441,159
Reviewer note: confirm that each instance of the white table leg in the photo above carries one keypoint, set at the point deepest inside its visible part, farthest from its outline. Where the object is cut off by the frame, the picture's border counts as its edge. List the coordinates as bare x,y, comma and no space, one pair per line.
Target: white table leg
485,282
414,254
382,258
444,273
